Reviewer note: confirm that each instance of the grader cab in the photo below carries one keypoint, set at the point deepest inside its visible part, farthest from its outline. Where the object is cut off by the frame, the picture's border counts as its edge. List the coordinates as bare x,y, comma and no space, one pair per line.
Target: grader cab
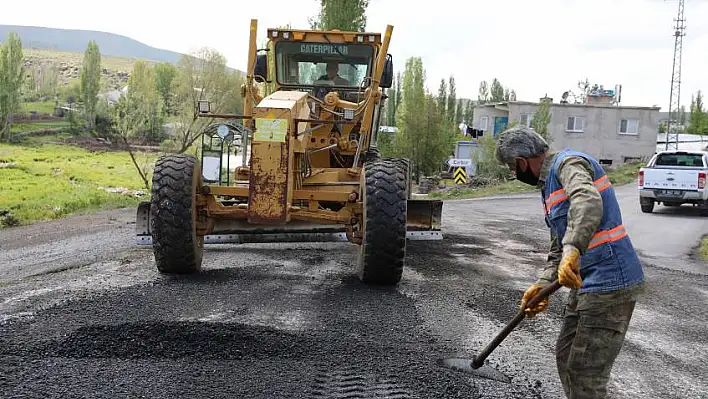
311,170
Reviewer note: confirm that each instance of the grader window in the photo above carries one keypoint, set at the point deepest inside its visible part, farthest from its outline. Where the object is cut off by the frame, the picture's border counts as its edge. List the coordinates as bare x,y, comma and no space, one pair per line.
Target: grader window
323,64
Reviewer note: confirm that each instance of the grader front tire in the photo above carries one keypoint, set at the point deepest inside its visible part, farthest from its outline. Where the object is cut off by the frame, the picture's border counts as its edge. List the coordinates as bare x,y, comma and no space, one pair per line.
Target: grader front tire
382,252
177,247
406,165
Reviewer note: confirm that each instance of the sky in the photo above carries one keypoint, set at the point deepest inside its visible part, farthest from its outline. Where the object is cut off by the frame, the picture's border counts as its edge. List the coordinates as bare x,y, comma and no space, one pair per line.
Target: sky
537,48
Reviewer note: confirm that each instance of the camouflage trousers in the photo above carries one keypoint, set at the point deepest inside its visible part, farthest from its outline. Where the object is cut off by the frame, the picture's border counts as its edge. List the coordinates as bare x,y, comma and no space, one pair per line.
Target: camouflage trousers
594,327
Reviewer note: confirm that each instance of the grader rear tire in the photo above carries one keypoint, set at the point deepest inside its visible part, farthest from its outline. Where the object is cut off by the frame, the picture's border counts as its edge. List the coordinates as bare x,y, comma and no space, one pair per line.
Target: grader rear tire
177,247
383,250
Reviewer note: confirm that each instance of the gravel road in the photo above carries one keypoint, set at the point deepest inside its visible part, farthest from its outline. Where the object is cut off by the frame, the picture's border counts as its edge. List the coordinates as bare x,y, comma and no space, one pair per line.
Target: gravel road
83,313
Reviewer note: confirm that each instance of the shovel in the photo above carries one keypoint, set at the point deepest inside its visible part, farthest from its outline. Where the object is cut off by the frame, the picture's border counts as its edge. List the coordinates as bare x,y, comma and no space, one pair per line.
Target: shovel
476,365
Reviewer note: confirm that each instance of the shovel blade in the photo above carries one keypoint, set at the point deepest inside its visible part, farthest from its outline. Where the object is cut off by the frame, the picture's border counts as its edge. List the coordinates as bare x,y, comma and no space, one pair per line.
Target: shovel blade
465,366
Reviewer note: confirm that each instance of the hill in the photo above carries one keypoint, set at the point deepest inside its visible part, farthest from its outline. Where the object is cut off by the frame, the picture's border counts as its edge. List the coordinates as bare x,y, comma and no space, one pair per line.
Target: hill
116,70
75,41
64,48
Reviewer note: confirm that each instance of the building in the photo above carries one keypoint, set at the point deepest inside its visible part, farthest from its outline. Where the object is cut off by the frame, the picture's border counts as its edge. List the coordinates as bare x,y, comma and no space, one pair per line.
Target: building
611,133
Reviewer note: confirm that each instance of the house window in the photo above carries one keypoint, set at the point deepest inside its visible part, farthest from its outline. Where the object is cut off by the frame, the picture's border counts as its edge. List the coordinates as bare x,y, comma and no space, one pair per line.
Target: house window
629,126
525,120
483,122
575,124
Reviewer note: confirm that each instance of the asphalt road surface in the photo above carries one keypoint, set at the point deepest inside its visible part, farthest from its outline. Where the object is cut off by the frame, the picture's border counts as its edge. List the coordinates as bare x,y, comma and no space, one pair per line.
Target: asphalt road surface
83,313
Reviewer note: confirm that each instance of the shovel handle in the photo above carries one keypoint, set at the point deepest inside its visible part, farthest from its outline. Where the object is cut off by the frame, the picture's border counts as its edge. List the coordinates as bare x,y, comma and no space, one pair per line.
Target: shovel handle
545,292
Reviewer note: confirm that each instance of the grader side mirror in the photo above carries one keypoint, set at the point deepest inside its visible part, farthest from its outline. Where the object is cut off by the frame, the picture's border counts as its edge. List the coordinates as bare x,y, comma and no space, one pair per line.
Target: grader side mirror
260,72
387,75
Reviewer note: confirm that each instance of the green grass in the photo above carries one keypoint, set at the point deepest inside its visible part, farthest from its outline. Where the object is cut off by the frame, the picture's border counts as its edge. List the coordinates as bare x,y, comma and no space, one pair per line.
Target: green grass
48,181
624,174
510,187
31,127
703,250
621,175
41,107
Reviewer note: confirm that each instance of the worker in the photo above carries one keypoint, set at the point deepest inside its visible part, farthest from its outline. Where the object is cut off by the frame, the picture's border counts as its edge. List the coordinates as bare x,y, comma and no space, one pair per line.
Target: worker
333,74
590,253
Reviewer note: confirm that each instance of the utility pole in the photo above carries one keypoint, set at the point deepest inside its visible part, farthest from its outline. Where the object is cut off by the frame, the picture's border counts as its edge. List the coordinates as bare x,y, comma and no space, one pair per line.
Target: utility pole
672,131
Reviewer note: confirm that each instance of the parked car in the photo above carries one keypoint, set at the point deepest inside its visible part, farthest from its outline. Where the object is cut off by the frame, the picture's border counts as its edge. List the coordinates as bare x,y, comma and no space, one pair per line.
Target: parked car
674,178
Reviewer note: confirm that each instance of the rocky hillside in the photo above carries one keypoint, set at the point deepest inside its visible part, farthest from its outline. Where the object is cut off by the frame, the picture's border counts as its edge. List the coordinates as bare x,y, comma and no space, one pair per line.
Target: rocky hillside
64,48
116,70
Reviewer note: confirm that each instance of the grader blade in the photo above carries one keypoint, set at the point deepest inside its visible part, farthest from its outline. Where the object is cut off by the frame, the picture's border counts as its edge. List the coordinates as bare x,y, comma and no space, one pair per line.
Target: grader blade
424,219
423,224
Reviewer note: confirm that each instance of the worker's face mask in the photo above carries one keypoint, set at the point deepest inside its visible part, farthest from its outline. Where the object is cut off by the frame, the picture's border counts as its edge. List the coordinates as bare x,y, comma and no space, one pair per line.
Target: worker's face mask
526,176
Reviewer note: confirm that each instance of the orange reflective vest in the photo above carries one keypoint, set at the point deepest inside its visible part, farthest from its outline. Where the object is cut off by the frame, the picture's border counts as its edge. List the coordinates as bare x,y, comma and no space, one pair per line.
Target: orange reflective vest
610,261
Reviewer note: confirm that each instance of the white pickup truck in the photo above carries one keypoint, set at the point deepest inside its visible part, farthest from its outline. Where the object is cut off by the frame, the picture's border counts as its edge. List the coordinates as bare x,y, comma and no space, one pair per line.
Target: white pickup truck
674,178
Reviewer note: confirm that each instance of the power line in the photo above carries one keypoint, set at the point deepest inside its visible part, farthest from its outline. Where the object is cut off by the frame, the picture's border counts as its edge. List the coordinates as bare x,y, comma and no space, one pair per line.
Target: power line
672,131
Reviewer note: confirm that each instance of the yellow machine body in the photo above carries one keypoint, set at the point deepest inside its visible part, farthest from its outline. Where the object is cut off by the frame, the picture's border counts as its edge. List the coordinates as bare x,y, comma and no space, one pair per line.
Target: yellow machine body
309,137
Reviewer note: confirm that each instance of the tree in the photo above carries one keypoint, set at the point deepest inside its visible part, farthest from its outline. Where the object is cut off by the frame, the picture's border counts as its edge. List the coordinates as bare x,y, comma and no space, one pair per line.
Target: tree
682,115
483,95
49,81
90,82
451,101
203,76
496,91
394,98
460,112
11,79
469,112
138,110
346,15
541,119
412,115
165,74
391,106
442,97
439,138
487,164
423,137
399,93
698,119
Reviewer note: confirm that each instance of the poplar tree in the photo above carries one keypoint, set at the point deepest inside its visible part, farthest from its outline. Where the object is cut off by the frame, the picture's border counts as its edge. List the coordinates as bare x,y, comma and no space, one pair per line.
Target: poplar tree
346,15
11,79
451,100
90,82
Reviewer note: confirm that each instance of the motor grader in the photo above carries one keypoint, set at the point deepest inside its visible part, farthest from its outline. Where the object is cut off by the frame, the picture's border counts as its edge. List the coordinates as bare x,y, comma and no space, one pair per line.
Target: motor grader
311,172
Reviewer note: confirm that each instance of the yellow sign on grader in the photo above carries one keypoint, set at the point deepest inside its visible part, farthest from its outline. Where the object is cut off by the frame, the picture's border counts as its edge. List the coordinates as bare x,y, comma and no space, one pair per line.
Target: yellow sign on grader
314,171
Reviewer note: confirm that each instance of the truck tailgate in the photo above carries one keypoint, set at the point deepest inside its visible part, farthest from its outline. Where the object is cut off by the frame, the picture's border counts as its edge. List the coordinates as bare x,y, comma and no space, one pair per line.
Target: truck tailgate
673,179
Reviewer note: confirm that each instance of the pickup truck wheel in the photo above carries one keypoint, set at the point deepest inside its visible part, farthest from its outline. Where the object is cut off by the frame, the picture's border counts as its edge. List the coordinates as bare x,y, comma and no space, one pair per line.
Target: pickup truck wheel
647,204
704,208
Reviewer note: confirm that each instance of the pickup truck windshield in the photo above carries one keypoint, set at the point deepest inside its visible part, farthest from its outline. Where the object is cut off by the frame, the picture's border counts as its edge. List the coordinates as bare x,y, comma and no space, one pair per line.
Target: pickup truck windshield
679,159
310,64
